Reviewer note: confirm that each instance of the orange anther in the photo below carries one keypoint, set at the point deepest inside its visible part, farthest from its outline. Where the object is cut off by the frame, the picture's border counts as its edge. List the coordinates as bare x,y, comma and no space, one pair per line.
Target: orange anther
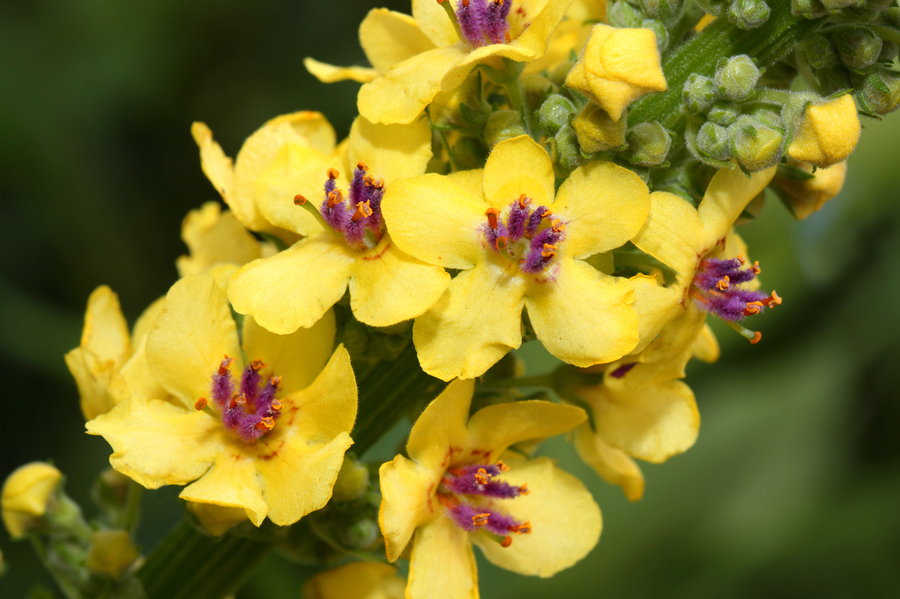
524,200
755,268
756,338
524,489
225,365
362,166
501,466
547,213
299,200
277,405
333,174
492,214
740,258
237,400
257,364
753,308
335,197
482,476
559,226
363,210
772,300
724,283
480,519
548,252
275,381
266,423
501,243
200,403
506,542
521,529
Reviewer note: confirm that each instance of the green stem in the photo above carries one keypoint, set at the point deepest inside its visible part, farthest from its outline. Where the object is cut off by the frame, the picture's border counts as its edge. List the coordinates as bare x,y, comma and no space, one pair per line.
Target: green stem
516,94
133,507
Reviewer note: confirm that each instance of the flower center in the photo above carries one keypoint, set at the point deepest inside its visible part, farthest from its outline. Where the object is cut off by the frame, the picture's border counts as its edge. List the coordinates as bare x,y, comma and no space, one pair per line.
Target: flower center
529,236
467,494
251,412
715,290
358,218
481,22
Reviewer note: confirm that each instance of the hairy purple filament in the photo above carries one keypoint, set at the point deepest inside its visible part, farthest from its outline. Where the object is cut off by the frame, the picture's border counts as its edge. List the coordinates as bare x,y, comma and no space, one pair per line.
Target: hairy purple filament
523,223
483,22
714,289
251,413
359,213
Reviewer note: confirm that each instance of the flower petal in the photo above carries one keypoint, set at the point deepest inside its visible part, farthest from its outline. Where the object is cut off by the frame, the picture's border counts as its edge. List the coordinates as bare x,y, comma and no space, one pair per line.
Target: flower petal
655,307
295,170
277,291
728,194
440,431
327,73
565,520
147,319
361,580
534,38
604,206
215,519
327,408
614,465
191,336
407,501
232,482
583,316
137,376
218,168
434,22
214,237
388,38
105,331
442,563
706,346
673,233
390,151
156,443
518,166
100,385
494,428
389,286
474,324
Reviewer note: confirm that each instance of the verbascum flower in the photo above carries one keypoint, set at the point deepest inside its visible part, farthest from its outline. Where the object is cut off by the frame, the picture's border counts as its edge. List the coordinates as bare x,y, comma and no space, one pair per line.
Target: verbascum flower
617,67
347,245
460,487
236,180
416,57
26,495
826,133
518,248
266,438
807,197
110,364
363,580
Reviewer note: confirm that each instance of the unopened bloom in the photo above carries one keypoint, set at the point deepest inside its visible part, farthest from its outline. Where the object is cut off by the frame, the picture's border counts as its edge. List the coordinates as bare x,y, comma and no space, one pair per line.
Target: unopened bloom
362,580
460,487
826,133
26,495
807,197
518,248
267,437
111,552
349,245
416,58
618,66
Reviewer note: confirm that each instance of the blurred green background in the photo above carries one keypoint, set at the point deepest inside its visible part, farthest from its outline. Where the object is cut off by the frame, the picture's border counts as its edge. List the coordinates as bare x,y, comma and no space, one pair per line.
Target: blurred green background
793,488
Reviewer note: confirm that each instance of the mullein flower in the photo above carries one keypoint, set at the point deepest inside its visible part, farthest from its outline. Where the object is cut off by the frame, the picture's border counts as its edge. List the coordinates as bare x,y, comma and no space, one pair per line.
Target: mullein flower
349,246
266,438
416,58
460,487
826,133
518,248
369,580
26,494
808,196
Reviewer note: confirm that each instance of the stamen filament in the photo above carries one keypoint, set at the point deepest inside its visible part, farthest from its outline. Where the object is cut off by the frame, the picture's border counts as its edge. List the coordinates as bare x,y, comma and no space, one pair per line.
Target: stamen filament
753,336
302,202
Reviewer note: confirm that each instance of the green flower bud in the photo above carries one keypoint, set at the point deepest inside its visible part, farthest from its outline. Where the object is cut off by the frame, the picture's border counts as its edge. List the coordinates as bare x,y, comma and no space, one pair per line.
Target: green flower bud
879,92
469,154
768,116
833,79
648,144
555,112
748,14
664,10
657,27
858,47
352,481
755,145
566,149
892,16
889,51
819,53
361,534
724,113
714,142
623,14
501,125
699,93
737,77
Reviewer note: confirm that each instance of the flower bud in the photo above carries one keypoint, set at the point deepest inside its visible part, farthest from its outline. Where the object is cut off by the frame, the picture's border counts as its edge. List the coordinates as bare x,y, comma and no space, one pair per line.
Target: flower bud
807,196
819,53
469,153
748,14
724,113
891,16
889,51
596,131
648,144
352,481
216,519
111,552
26,495
555,112
858,47
360,534
879,92
567,151
713,141
699,93
826,133
737,77
659,30
624,15
501,125
664,10
768,116
755,145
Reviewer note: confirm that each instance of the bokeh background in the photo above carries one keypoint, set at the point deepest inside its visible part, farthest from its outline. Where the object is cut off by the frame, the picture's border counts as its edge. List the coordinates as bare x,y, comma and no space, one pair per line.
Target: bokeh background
793,488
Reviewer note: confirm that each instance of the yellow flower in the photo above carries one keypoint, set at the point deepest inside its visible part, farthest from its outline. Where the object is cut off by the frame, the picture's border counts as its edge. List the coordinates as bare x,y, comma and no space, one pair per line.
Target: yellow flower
618,66
358,580
110,364
416,57
271,444
111,552
25,496
350,247
827,133
570,36
452,492
236,181
806,197
518,248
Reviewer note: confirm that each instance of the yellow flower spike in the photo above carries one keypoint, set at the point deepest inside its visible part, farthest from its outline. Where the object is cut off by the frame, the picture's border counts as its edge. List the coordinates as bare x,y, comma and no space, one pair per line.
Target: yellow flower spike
362,580
25,496
271,440
349,246
517,247
460,487
617,67
827,132
214,237
111,552
807,197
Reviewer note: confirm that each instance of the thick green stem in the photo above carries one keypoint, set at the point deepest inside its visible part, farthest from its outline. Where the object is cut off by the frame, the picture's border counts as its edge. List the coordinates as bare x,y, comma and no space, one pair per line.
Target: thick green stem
516,94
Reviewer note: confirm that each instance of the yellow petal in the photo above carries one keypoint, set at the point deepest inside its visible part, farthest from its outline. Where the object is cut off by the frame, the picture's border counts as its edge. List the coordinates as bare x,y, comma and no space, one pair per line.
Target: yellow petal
388,38
215,519
295,170
214,237
277,292
156,443
146,320
435,220
100,385
217,167
603,205
595,129
828,132
442,563
472,181
105,331
401,95
518,166
192,335
565,520
534,38
434,22
390,151
232,482
25,496
614,465
655,307
356,580
728,194
706,346
442,425
137,376
673,233
297,358
327,73
494,428
389,286
474,324
807,197
583,317
407,492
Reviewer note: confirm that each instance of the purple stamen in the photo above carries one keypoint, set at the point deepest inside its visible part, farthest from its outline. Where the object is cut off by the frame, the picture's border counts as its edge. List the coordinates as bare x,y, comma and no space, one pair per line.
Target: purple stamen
497,26
483,22
622,370
714,289
252,413
351,218
478,479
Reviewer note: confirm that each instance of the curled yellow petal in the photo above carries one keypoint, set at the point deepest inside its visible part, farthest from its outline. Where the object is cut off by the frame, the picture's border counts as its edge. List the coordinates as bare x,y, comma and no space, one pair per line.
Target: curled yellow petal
827,133
327,73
